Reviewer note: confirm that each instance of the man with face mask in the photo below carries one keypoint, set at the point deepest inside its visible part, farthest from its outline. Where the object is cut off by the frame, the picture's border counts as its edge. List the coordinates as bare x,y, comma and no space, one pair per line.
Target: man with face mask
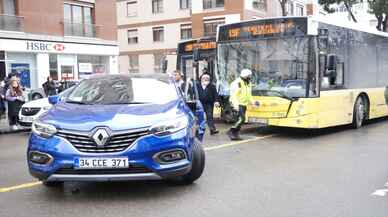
209,97
241,97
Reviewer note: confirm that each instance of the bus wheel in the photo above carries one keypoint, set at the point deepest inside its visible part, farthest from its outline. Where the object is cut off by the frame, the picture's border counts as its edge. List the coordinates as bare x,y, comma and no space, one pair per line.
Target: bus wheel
359,112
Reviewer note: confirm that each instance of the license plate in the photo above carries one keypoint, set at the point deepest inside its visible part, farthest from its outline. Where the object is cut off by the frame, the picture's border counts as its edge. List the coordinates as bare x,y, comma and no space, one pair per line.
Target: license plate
27,119
101,163
258,120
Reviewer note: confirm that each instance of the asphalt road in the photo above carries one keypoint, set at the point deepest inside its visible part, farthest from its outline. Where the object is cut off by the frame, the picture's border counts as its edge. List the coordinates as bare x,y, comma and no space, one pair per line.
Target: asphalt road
275,173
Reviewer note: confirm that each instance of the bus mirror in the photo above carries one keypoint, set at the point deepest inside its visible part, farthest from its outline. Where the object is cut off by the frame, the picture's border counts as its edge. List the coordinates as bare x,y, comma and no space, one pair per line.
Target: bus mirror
165,65
332,60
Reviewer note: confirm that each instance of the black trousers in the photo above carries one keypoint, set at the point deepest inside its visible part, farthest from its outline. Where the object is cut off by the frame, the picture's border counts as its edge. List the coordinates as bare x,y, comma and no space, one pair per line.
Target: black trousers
209,108
242,110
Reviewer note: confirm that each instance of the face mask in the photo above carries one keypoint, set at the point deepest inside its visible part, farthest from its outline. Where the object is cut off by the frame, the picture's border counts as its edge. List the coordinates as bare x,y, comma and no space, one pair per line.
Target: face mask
205,83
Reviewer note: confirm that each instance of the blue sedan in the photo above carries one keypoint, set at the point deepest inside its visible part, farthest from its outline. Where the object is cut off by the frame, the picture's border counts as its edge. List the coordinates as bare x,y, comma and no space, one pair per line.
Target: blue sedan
119,128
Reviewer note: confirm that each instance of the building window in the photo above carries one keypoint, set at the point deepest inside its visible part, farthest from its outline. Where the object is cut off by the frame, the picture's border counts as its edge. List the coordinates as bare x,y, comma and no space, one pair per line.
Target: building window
299,10
186,31
185,4
132,9
133,63
132,36
78,20
290,8
158,62
8,7
89,65
210,26
208,4
53,62
259,5
157,6
158,34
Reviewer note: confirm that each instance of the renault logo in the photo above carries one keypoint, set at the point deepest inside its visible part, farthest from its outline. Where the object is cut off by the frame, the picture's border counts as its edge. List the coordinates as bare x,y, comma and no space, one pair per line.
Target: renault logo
101,136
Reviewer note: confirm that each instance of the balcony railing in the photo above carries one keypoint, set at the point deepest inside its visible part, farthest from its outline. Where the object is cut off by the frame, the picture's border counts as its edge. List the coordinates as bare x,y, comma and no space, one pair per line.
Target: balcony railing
11,23
80,29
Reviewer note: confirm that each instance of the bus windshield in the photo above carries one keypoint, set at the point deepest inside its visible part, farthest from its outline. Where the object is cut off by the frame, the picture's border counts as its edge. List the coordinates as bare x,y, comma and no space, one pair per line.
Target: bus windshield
280,66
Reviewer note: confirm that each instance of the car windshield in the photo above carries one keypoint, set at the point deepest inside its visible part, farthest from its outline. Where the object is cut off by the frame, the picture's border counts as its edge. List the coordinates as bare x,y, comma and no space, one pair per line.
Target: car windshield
123,90
280,66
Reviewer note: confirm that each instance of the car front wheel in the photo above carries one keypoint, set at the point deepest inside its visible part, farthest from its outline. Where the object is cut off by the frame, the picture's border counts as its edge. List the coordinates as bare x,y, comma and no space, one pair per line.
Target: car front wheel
198,164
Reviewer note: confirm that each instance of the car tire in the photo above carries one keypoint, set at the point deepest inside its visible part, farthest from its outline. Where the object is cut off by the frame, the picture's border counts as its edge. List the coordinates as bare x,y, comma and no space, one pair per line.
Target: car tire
198,164
52,184
36,96
360,111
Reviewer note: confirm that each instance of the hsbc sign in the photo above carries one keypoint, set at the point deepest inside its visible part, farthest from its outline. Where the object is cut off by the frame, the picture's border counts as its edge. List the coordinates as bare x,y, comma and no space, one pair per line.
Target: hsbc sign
45,46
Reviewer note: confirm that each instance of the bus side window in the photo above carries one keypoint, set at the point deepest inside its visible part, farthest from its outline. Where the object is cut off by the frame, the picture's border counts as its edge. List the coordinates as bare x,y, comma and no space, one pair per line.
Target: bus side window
333,72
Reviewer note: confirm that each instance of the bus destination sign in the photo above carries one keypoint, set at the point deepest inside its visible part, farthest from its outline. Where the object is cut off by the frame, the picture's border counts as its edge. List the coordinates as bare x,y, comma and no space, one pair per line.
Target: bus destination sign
263,28
207,45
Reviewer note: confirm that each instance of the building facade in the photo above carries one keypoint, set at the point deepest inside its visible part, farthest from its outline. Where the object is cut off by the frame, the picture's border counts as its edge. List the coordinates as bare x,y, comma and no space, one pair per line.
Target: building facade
149,30
64,39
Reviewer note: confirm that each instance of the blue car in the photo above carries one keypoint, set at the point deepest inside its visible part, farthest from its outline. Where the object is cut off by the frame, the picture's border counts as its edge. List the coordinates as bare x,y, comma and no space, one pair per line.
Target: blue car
119,128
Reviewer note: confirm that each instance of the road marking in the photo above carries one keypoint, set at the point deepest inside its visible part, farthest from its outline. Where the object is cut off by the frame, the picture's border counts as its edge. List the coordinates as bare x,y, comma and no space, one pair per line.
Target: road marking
25,185
238,142
380,192
32,184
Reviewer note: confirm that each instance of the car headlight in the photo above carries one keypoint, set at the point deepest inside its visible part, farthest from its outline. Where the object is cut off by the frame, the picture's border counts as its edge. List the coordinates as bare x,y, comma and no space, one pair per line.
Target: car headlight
169,127
43,129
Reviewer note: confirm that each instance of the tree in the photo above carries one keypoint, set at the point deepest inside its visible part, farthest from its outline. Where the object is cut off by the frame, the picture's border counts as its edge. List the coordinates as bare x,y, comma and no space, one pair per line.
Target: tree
380,9
347,3
283,4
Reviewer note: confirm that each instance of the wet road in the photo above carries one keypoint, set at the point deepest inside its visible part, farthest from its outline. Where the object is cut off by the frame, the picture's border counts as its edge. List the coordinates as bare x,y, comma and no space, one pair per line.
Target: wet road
276,172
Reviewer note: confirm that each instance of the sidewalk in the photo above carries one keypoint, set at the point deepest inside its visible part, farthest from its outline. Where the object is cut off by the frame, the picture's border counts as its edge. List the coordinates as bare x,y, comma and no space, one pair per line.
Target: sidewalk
4,127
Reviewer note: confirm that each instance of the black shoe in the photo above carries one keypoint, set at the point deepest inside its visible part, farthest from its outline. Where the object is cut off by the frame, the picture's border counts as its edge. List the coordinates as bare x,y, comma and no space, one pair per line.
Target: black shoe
213,132
230,134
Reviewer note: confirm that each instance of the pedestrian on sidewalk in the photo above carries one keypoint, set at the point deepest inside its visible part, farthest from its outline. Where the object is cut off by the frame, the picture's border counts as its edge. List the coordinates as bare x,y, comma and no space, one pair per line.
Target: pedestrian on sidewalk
2,100
241,97
15,98
209,98
49,87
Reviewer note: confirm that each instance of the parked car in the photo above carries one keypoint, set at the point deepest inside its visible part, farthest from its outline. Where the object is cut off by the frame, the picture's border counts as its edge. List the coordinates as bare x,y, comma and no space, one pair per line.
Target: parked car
31,110
34,94
119,128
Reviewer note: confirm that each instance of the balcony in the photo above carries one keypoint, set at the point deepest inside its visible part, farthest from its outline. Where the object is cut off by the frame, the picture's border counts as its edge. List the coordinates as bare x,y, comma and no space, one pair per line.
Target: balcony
80,29
11,23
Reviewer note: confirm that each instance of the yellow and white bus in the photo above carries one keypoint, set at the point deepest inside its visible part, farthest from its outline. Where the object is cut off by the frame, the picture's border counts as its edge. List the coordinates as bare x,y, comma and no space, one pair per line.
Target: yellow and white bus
308,73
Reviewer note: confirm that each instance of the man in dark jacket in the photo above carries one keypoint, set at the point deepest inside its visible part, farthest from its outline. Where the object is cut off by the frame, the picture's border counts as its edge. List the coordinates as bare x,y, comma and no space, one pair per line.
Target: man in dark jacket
209,97
49,87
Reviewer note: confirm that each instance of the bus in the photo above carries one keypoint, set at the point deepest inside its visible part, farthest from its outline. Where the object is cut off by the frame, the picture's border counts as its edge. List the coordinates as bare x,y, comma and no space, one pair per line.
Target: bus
307,72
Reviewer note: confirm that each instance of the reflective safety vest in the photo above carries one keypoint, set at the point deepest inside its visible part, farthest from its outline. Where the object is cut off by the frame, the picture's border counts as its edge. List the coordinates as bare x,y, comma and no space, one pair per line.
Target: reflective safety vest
241,92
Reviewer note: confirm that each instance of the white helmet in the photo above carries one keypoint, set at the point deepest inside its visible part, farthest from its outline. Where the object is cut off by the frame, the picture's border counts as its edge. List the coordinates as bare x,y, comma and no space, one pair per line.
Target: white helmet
246,73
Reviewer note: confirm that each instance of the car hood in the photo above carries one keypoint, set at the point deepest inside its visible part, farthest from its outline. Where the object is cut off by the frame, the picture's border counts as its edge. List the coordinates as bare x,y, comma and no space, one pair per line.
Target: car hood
39,103
116,117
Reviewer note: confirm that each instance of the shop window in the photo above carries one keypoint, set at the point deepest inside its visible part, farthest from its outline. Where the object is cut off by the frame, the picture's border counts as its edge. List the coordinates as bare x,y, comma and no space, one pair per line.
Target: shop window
157,6
133,63
158,34
186,31
132,36
92,65
53,60
210,26
185,4
208,4
158,62
132,9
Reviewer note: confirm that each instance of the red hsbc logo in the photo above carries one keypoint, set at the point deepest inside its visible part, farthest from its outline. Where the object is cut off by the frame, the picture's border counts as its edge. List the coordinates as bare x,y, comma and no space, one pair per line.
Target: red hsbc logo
59,47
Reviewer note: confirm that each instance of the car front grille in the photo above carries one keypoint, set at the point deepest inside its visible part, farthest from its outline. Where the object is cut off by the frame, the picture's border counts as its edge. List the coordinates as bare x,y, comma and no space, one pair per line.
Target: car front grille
132,169
30,111
118,141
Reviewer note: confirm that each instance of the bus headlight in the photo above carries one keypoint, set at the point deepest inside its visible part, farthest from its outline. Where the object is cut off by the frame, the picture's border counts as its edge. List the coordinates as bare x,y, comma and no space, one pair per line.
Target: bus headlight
44,130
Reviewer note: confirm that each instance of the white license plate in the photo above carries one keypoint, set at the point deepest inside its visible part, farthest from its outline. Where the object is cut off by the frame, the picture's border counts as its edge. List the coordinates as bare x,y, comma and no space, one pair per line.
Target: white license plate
27,119
258,120
101,163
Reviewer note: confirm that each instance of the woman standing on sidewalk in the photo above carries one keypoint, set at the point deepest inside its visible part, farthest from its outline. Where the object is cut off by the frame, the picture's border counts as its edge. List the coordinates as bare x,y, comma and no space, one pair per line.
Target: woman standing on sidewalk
2,99
15,98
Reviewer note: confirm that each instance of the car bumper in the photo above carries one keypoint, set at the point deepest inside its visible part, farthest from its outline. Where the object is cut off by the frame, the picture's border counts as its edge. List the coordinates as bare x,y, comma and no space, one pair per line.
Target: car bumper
140,153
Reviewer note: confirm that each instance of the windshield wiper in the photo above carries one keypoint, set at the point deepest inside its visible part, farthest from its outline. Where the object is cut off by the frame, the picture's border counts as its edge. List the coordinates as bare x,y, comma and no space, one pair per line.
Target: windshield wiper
78,102
279,94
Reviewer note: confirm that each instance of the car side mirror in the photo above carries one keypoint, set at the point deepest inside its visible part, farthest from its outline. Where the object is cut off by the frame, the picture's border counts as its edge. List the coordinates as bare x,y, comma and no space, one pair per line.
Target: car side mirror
53,100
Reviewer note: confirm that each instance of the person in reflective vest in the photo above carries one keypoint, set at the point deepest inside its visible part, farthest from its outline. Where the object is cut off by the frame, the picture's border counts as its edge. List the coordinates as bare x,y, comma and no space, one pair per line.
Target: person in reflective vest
241,97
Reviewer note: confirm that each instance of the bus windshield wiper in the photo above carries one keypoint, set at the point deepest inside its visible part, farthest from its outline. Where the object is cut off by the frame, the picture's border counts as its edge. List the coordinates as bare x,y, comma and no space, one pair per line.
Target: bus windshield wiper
281,95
